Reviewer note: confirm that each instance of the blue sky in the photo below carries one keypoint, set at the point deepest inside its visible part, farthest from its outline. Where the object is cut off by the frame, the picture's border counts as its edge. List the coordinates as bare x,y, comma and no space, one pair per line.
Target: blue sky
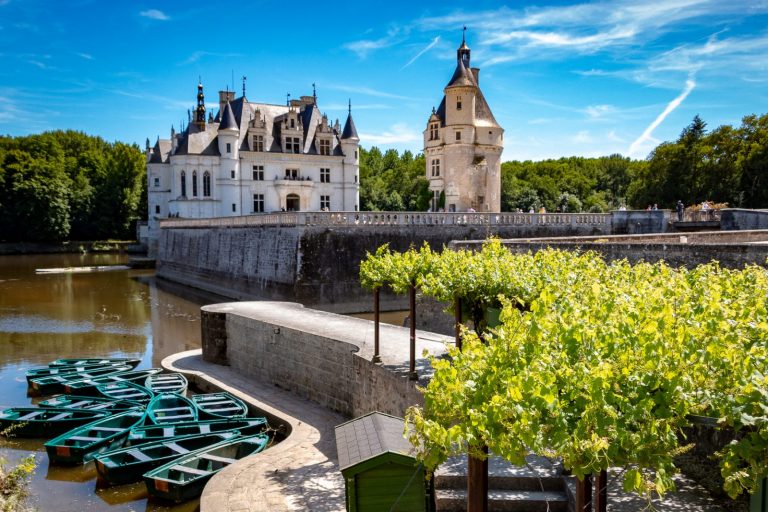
562,78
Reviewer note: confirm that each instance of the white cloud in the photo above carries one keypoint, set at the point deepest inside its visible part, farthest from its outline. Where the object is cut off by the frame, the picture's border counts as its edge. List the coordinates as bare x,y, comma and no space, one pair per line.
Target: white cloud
86,56
582,137
423,51
640,143
599,111
154,14
365,46
611,136
367,91
400,133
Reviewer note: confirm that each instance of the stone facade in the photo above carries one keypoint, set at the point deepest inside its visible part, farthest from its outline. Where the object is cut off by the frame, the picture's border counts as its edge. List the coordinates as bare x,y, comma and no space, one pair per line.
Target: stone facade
463,145
253,158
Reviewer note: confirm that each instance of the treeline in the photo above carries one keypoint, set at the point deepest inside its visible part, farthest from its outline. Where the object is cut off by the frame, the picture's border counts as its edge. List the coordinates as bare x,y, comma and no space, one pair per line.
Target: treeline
66,185
725,165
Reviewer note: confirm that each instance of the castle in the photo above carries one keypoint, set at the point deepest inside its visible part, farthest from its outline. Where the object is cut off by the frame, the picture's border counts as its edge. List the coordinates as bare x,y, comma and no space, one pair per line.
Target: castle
463,145
253,158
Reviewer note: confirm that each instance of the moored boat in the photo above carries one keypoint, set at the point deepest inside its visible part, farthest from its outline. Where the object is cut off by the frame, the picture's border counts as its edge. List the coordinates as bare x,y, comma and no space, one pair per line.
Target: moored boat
126,465
49,371
184,478
125,391
57,383
171,408
45,422
220,405
90,403
132,362
166,383
88,386
152,433
81,444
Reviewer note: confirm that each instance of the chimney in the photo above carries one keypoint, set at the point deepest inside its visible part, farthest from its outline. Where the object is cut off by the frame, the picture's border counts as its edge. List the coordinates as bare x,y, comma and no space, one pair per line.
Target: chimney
476,73
224,98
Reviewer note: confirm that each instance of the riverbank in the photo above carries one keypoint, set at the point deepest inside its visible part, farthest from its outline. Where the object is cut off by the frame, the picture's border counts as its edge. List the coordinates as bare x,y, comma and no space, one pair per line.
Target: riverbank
110,246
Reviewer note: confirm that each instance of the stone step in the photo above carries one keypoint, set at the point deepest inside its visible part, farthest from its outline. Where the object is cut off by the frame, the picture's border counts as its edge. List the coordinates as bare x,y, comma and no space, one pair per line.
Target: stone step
539,475
455,500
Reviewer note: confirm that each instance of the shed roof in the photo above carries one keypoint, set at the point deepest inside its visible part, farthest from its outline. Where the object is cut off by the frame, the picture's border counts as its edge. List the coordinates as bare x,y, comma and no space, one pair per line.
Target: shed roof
368,436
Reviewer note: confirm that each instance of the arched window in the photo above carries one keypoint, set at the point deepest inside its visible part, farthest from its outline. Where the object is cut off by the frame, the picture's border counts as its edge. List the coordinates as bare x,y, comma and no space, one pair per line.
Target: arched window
194,183
183,184
207,184
292,203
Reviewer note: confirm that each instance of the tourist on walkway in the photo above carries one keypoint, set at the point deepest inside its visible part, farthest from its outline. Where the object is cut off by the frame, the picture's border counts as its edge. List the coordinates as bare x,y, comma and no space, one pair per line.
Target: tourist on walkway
680,209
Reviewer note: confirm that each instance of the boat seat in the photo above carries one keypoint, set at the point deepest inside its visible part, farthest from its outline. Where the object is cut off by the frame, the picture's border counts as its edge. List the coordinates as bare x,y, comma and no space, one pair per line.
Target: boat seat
175,416
185,469
30,415
222,409
165,409
60,416
180,449
136,454
216,458
214,402
108,429
84,438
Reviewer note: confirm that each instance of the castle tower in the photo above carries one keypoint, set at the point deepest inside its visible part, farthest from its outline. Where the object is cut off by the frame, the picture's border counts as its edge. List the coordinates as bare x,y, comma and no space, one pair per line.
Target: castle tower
350,145
463,144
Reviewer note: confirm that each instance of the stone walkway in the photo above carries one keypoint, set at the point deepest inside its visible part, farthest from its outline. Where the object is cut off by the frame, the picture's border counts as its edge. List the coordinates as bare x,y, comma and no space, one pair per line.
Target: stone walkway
299,473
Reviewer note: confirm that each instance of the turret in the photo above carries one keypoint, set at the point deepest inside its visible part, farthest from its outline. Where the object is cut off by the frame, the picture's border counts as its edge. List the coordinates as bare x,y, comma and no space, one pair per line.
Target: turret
228,134
350,145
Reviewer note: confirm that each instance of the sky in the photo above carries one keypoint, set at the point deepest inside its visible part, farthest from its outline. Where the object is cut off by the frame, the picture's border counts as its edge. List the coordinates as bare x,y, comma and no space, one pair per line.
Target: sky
562,78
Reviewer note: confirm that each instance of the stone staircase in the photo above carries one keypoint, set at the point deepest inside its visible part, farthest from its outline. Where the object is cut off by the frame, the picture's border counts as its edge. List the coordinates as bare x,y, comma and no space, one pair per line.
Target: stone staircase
538,487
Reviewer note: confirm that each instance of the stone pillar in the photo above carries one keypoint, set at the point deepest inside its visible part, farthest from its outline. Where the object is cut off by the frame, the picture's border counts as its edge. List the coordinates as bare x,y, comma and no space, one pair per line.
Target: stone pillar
213,326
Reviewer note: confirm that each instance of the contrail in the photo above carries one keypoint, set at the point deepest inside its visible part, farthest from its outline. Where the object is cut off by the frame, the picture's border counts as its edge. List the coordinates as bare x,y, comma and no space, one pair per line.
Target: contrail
689,85
422,52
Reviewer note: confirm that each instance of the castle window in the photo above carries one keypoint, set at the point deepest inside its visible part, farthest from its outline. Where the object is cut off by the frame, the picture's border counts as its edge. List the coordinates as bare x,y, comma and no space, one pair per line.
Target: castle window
157,208
183,184
292,145
194,183
206,184
325,147
258,172
458,103
325,202
293,123
291,174
435,167
258,143
232,174
234,207
325,175
458,135
157,182
258,203
229,147
433,132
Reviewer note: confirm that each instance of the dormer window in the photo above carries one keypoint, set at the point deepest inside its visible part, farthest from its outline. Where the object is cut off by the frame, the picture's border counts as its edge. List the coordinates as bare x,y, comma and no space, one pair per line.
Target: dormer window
292,145
293,123
325,147
258,143
458,103
433,131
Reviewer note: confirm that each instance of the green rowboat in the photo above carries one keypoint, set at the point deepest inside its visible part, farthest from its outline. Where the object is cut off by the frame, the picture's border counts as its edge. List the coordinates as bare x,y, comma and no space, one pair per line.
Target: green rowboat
171,408
127,465
125,391
185,477
90,403
152,433
82,444
45,422
133,363
49,371
220,405
166,383
88,387
57,383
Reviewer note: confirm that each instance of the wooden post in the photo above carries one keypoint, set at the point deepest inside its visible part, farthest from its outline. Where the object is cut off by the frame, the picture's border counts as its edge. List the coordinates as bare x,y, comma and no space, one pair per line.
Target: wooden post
376,356
477,484
412,303
584,494
601,491
457,317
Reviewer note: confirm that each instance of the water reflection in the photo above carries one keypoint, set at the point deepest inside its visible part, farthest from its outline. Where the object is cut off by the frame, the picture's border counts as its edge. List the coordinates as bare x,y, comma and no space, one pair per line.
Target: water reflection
49,316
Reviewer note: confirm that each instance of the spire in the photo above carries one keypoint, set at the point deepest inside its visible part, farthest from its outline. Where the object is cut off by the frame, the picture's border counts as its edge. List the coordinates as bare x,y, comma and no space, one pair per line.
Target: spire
350,132
200,110
244,79
314,93
228,119
462,54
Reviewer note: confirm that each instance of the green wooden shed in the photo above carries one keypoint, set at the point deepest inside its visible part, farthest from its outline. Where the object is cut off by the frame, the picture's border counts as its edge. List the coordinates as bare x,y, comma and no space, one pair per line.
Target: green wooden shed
380,471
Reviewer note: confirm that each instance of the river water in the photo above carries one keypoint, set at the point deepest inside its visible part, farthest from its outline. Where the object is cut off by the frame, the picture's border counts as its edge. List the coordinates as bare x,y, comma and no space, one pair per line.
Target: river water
93,314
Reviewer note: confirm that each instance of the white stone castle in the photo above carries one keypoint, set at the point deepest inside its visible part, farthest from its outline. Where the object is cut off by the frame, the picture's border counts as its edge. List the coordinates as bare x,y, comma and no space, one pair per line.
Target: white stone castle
463,145
253,158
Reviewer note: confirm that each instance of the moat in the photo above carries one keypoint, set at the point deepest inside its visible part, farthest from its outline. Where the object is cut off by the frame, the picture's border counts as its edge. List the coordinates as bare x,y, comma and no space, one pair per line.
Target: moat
93,314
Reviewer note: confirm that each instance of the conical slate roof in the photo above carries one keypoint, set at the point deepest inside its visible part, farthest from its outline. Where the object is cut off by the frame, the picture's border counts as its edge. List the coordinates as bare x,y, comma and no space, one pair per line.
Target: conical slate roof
461,77
350,132
228,119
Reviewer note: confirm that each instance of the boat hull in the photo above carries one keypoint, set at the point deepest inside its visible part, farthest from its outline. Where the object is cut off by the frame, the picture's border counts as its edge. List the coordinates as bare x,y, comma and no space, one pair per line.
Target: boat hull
31,422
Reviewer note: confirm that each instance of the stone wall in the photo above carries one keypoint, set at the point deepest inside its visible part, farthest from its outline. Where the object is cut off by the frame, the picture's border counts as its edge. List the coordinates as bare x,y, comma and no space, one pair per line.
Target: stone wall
736,218
322,356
